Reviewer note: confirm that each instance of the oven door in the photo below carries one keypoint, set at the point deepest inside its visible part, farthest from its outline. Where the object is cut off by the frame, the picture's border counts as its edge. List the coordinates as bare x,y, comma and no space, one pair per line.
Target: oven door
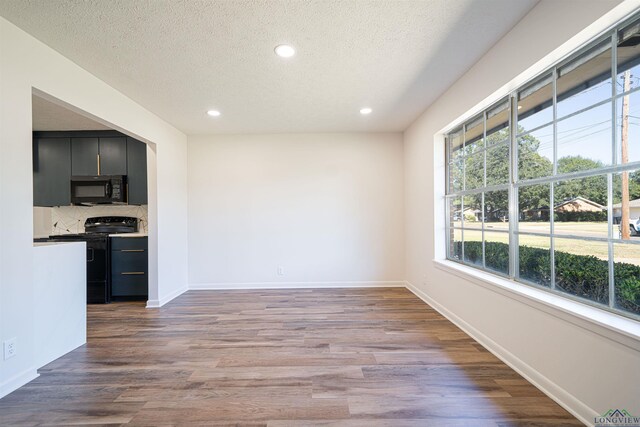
98,272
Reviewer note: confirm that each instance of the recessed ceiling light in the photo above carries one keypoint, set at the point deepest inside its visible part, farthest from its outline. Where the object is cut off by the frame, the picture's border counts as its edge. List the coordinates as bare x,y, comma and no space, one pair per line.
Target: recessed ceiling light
365,111
285,51
213,113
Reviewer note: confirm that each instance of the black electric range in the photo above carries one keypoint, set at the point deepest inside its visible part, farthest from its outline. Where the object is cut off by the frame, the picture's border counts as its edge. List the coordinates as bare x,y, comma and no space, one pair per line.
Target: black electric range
96,235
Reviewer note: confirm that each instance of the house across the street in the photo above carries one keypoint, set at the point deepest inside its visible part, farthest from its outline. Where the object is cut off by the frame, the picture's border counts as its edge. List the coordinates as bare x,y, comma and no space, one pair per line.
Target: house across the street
634,210
579,204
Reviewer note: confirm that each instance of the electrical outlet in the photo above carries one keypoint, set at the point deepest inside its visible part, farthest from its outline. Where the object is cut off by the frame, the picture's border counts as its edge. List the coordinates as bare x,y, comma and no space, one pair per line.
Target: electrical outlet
280,270
10,348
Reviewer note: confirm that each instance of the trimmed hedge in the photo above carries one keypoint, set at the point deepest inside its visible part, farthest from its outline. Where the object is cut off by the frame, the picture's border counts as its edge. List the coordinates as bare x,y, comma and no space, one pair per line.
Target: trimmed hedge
581,216
582,275
566,216
497,255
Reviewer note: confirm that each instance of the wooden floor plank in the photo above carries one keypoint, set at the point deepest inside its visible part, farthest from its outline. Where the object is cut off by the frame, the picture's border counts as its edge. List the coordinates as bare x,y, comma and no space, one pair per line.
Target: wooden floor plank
279,358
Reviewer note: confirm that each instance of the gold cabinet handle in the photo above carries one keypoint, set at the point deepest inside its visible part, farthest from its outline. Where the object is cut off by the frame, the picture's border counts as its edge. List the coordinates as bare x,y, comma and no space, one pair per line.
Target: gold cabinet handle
132,273
132,250
98,160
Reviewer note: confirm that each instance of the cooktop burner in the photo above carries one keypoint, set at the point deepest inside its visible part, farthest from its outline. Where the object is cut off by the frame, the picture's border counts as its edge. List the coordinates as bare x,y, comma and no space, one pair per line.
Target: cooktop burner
102,226
111,224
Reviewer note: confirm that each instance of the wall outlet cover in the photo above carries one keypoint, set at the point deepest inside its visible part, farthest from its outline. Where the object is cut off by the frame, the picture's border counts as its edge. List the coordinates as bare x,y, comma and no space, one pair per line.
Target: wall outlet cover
10,348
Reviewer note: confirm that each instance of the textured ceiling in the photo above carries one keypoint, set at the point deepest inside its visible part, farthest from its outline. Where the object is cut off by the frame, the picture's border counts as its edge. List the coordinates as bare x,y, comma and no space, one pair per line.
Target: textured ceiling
50,116
180,58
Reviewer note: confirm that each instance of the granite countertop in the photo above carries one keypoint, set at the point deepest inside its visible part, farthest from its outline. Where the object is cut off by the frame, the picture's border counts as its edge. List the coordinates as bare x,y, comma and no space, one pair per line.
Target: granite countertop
45,239
138,234
36,243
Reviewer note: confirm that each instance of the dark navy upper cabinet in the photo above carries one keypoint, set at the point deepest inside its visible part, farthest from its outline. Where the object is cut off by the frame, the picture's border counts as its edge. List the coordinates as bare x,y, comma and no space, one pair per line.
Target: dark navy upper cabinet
137,171
59,155
99,156
113,156
84,156
51,171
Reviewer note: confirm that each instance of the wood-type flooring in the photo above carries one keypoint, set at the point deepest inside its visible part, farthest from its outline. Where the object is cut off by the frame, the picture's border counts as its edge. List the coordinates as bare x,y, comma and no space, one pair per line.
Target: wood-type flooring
312,357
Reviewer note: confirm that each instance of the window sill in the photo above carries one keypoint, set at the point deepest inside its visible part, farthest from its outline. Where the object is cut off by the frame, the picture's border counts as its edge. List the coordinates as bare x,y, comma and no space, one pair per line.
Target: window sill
609,325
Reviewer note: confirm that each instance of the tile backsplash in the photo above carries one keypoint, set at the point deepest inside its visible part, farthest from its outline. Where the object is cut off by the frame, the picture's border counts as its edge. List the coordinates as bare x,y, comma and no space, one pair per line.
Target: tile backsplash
70,219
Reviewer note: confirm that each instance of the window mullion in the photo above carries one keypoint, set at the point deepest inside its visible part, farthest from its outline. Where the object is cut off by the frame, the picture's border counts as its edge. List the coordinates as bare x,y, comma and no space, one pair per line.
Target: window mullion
552,252
614,162
552,246
610,239
484,184
484,258
513,204
554,88
614,91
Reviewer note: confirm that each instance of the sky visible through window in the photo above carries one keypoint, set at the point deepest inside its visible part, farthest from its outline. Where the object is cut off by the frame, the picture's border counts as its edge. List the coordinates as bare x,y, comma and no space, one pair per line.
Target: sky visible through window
589,134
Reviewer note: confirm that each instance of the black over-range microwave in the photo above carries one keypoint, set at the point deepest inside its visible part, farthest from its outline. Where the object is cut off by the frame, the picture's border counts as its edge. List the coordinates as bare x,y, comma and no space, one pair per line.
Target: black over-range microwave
98,189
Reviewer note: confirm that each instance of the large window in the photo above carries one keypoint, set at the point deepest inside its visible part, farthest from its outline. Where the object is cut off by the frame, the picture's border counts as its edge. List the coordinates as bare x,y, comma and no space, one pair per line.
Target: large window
544,186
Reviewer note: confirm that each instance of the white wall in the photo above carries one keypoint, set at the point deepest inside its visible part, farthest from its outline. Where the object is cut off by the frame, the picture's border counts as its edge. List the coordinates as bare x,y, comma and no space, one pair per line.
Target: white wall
60,299
170,228
571,360
27,65
328,208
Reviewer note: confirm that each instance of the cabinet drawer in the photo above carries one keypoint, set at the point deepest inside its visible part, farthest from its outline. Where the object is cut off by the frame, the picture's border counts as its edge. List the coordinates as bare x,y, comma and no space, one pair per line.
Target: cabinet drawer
128,243
126,285
122,262
129,261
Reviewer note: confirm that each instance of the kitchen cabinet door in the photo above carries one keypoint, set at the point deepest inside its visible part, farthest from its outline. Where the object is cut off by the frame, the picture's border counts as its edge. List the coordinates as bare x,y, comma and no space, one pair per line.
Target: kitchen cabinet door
113,156
137,171
84,156
51,171
129,268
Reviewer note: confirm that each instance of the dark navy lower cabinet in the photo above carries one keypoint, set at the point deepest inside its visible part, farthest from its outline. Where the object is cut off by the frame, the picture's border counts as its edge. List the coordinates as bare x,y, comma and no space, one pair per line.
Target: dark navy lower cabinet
129,268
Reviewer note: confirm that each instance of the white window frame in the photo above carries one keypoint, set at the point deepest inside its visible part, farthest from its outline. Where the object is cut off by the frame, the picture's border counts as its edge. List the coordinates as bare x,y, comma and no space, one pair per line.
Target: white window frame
514,184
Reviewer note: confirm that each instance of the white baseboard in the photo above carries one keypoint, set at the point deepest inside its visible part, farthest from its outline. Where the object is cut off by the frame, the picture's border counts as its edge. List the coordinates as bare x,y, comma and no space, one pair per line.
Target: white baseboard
295,285
565,399
157,303
12,384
